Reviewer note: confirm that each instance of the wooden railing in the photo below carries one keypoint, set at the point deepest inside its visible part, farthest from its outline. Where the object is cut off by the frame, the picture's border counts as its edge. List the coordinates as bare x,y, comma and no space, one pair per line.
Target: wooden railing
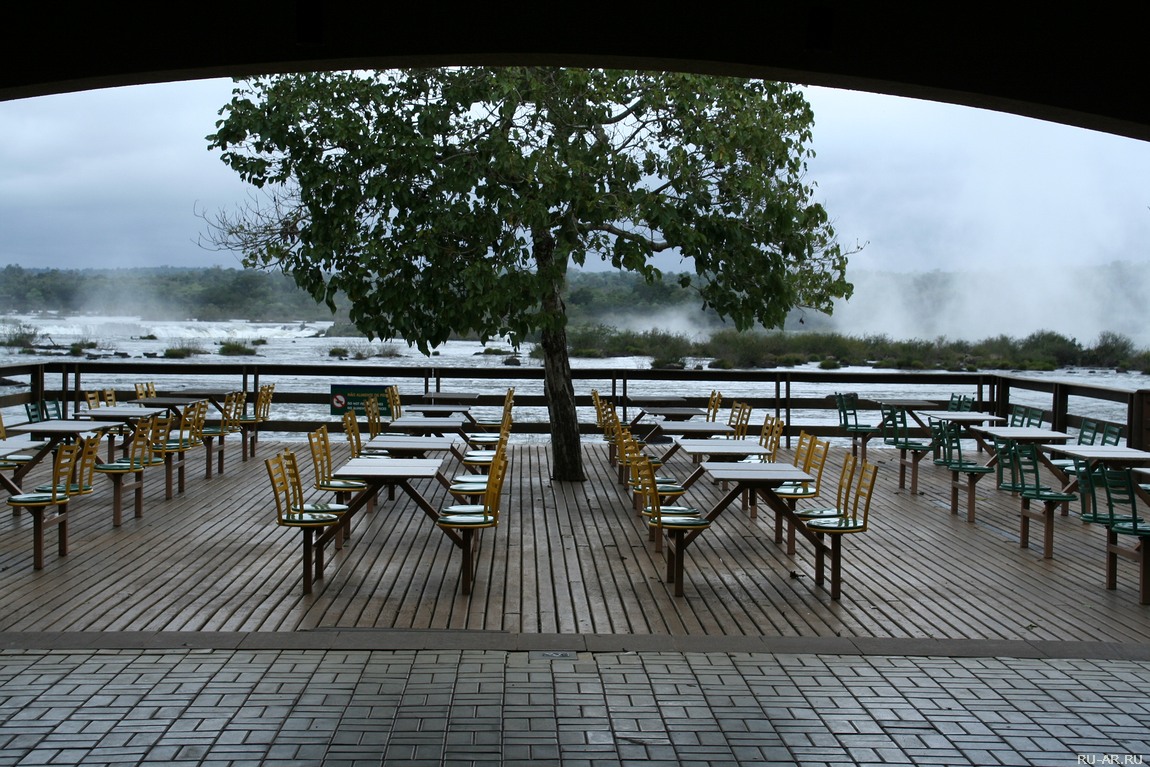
778,391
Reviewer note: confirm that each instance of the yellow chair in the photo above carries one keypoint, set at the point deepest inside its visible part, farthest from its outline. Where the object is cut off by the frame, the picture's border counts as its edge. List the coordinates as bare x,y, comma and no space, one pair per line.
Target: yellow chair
15,460
355,438
770,436
39,504
291,511
80,482
394,404
471,485
856,520
173,440
214,434
680,528
140,457
466,519
145,390
714,403
374,419
325,480
250,422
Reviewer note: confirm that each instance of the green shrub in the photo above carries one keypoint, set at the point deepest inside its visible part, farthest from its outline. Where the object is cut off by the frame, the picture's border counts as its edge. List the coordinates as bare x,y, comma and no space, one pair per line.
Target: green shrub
235,349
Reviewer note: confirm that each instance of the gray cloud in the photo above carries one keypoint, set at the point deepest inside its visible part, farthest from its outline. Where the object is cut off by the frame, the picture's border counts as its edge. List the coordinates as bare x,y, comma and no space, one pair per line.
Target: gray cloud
115,177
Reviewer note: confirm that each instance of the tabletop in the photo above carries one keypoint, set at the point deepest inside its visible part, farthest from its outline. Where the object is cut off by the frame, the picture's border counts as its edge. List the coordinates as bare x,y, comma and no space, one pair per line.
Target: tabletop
909,404
756,473
452,397
1103,453
56,427
412,443
673,412
961,416
693,428
654,399
723,447
422,425
390,468
437,408
1022,433
122,412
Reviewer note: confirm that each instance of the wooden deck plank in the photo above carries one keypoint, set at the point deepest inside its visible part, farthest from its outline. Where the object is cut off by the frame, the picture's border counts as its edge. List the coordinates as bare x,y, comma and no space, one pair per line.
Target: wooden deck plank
566,558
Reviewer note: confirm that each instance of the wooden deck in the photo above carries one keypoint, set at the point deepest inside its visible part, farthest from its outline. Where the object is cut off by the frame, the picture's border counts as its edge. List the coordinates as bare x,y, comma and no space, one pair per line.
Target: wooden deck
566,558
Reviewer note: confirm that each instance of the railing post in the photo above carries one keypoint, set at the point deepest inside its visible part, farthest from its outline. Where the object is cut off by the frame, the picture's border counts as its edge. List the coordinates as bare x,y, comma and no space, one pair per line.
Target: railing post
1058,406
1138,420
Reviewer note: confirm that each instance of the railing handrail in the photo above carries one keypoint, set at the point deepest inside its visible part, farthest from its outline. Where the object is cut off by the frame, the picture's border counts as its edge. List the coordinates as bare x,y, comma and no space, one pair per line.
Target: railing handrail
993,388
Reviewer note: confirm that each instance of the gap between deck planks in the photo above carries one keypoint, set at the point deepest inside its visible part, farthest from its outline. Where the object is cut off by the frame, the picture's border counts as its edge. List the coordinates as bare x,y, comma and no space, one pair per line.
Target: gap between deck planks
566,558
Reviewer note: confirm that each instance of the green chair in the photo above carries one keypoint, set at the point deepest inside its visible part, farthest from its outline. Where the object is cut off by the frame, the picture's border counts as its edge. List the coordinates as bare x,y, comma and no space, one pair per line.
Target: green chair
1124,520
1036,491
40,504
860,433
856,519
911,451
958,465
291,511
1088,432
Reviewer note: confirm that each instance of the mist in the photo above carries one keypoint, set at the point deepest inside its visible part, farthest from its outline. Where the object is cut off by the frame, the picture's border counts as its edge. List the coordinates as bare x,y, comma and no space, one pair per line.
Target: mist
1077,302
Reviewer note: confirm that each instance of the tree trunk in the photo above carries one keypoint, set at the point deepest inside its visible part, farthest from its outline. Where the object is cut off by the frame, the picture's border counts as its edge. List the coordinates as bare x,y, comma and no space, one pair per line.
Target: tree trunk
566,452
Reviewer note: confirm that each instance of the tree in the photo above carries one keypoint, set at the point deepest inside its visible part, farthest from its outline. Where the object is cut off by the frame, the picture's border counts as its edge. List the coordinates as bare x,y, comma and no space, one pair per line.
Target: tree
453,200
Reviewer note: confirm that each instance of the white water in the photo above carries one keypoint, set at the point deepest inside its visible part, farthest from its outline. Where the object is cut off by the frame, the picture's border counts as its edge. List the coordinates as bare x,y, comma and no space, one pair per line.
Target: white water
302,343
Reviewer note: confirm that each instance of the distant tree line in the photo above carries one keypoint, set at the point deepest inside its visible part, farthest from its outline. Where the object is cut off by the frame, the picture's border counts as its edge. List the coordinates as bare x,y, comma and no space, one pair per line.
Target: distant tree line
162,293
612,314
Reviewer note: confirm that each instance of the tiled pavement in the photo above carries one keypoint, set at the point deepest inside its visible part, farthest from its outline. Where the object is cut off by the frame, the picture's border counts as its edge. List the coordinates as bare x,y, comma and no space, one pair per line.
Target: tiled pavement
157,700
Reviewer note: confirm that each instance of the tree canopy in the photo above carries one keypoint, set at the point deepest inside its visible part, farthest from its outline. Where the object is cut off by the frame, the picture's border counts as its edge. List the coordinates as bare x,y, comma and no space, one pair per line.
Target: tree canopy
454,200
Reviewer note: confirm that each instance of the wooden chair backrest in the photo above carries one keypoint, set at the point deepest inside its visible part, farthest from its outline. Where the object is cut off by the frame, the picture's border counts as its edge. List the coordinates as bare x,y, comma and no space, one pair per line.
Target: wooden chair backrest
351,429
320,445
864,489
62,470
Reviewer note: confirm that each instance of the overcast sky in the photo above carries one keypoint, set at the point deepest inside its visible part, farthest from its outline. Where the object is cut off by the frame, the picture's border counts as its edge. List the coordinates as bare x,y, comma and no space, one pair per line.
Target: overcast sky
115,178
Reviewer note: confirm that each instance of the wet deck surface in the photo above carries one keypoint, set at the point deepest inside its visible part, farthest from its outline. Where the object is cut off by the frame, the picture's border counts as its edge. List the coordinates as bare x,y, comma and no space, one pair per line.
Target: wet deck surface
566,559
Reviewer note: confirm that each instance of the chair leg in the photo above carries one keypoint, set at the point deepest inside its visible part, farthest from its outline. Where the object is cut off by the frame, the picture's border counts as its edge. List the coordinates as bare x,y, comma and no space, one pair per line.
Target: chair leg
1144,570
1112,560
465,579
836,566
308,536
117,498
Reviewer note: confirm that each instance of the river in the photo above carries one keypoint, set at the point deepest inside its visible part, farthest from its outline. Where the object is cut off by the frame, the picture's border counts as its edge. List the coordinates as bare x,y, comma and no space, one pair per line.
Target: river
304,343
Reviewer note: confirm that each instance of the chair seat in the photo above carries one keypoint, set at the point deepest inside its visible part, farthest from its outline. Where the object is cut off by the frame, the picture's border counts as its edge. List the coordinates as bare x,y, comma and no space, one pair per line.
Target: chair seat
1047,495
33,499
340,485
320,508
466,520
822,513
682,522
308,519
835,525
1140,529
462,508
72,489
912,445
674,511
968,467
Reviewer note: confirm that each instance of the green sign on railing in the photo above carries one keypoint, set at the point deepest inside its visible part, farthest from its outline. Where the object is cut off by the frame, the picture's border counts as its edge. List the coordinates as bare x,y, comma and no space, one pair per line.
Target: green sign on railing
344,398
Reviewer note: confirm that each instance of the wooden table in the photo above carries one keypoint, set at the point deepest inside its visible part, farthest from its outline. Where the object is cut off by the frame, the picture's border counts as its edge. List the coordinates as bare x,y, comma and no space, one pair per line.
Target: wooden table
53,432
126,415
413,446
1026,434
451,397
692,429
440,410
749,480
428,426
401,472
719,450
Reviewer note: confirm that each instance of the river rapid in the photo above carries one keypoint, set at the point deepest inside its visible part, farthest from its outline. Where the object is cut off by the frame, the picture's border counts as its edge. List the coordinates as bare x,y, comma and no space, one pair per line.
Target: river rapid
305,343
